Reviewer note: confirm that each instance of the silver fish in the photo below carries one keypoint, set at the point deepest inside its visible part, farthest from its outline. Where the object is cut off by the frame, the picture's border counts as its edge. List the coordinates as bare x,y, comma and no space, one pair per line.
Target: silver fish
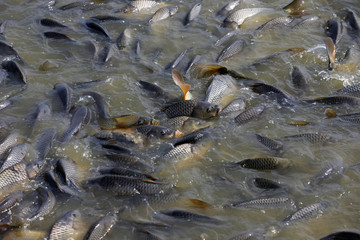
231,50
228,8
306,213
100,228
163,13
66,226
265,203
234,106
239,16
249,114
193,13
16,155
220,86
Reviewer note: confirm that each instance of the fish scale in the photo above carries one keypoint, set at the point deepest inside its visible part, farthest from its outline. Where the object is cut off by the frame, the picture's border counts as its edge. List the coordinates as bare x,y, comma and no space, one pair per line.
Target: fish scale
279,21
264,183
183,108
305,213
16,155
8,142
13,175
240,15
350,90
142,4
263,163
100,228
163,13
231,50
65,227
180,152
234,106
271,144
265,203
249,114
313,138
218,88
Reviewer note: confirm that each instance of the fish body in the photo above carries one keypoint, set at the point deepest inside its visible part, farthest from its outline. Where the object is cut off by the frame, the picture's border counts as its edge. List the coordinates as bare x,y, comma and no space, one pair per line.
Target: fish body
249,115
125,172
124,39
273,23
16,155
64,92
343,235
353,90
183,215
265,203
333,29
66,226
152,131
227,8
44,143
57,36
219,87
239,16
249,235
11,140
163,13
231,50
173,64
193,13
192,108
271,144
48,22
298,79
280,96
313,138
335,100
264,183
234,106
80,118
11,200
97,28
47,203
127,186
100,228
14,71
306,213
266,163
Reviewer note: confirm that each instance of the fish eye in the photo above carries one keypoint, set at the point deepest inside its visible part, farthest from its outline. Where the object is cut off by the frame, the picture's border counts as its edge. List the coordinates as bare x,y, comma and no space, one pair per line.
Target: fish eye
163,132
209,109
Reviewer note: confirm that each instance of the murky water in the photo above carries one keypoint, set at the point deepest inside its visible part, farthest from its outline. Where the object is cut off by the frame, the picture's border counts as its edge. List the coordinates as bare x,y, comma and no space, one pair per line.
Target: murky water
206,178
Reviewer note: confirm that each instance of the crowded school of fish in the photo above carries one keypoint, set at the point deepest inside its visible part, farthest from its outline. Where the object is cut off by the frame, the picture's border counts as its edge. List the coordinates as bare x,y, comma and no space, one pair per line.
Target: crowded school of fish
197,120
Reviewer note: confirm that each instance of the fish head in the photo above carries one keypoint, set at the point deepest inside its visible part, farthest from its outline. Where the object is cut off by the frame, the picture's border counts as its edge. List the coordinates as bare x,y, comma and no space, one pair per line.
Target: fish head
206,110
34,168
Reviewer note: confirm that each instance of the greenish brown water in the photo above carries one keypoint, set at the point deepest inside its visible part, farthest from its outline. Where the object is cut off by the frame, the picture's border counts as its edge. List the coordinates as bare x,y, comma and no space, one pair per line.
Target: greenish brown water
199,180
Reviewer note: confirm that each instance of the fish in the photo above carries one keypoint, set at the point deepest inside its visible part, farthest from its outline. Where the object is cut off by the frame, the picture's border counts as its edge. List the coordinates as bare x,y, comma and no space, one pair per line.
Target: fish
46,203
139,5
115,135
80,118
264,183
227,8
128,160
249,235
20,173
151,131
331,52
239,16
282,22
57,36
42,112
48,22
313,138
353,90
263,163
220,86
11,140
193,137
335,100
191,108
100,104
163,13
67,172
16,155
66,226
230,50
100,228
334,29
342,235
24,234
125,172
156,91
11,200
183,215
234,106
329,170
192,65
115,147
271,144
298,78
97,28
7,50
306,213
79,4
265,203
280,96
124,39
128,186
290,51
179,81
44,143
14,71
64,93
193,13
353,22
126,121
295,7
173,64
249,115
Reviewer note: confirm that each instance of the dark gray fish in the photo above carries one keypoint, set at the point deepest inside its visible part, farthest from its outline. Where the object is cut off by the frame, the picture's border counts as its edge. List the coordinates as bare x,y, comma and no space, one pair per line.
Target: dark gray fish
193,13
306,213
234,106
227,8
44,143
183,215
125,172
239,16
343,235
127,186
117,148
354,24
65,227
46,203
107,18
3,26
124,39
128,160
333,29
265,203
57,35
220,86
313,138
271,144
15,73
191,65
156,91
100,228
231,50
16,155
92,83
47,22
100,104
121,137
298,79
67,173
64,92
11,140
349,118
328,171
249,115
176,61
154,200
83,4
280,96
11,200
192,108
353,90
42,112
308,22
163,13
264,183
7,50
336,100
180,152
19,173
151,131
226,39
192,137
250,235
80,118
264,163
97,28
